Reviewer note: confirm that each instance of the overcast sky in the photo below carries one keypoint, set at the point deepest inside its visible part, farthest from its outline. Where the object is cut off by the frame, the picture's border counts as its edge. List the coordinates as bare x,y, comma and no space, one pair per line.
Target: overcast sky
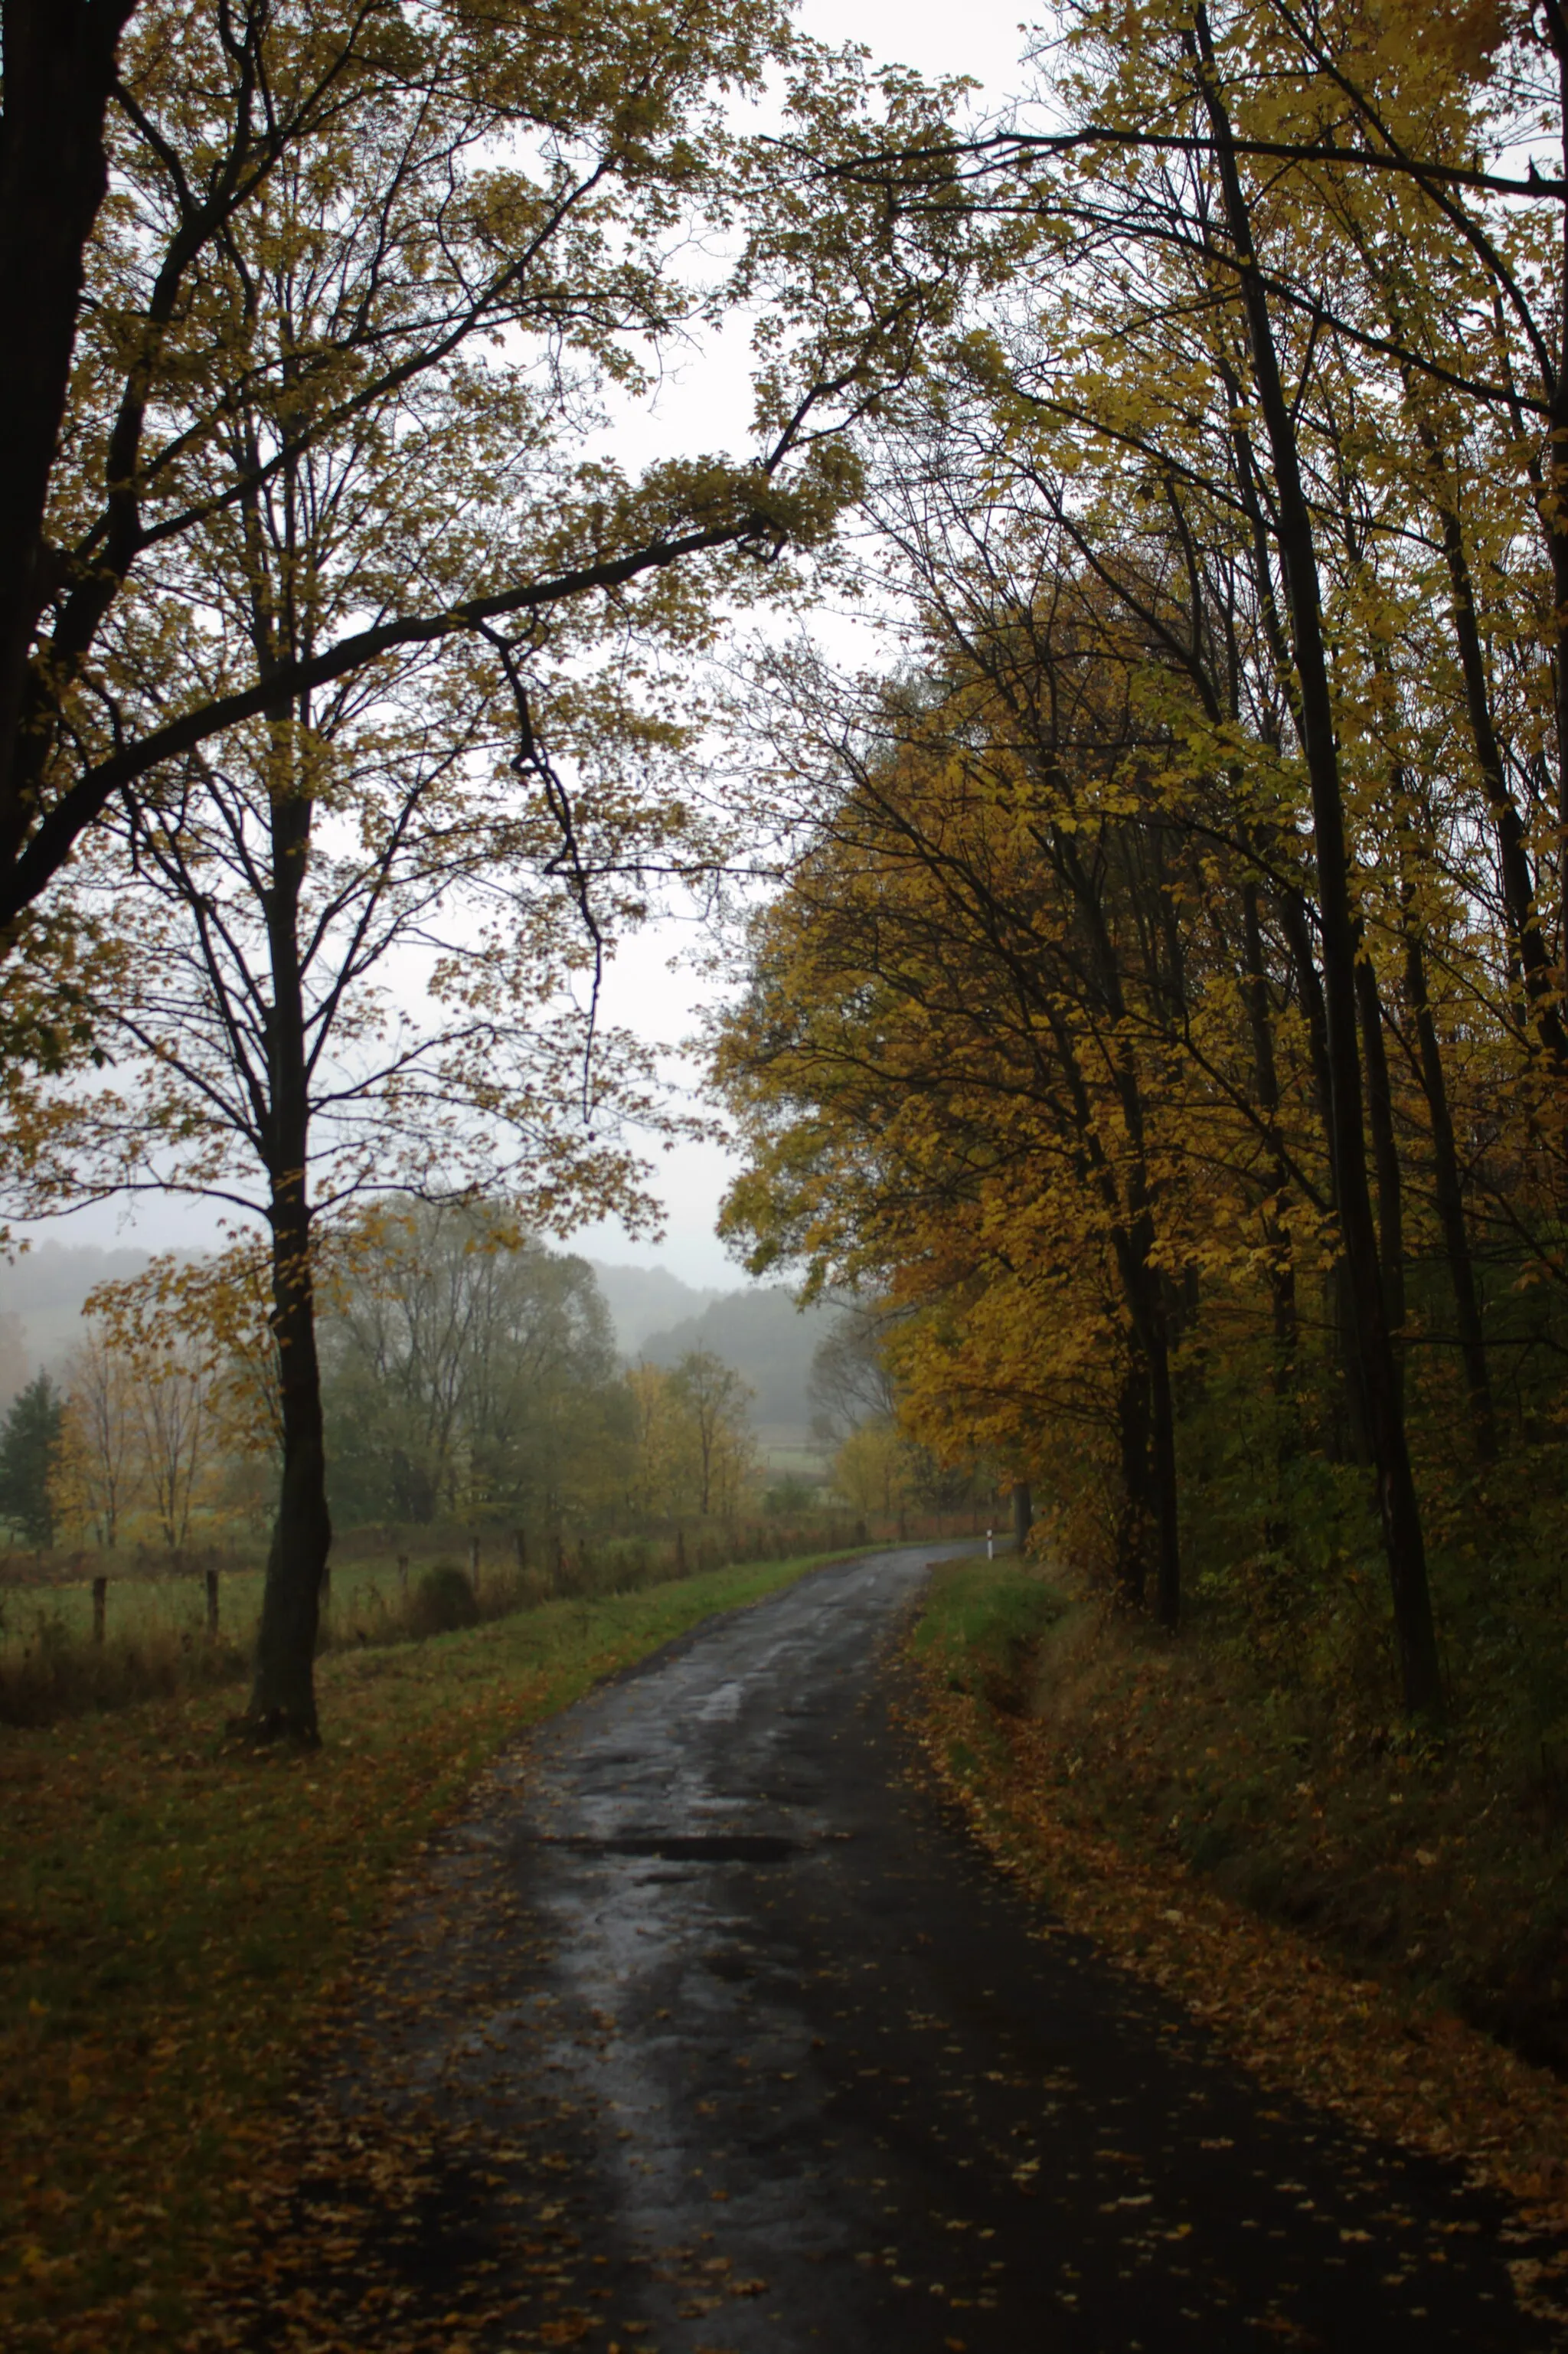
702,406
985,42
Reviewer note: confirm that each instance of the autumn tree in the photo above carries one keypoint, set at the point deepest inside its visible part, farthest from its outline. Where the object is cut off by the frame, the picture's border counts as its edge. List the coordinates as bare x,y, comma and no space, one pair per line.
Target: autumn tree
691,1430
99,1473
710,1400
872,1468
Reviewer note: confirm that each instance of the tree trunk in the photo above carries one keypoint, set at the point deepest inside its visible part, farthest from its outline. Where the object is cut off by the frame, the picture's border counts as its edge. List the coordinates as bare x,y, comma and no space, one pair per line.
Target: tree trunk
1345,1431
1134,1240
282,1700
1167,1532
1023,1514
1135,1521
1385,1157
59,72
1266,1083
1534,962
1404,1542
1451,1207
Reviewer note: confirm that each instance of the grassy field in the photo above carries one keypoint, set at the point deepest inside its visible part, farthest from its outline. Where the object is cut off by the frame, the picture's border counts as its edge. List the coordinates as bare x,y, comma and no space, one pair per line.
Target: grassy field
175,1913
151,1608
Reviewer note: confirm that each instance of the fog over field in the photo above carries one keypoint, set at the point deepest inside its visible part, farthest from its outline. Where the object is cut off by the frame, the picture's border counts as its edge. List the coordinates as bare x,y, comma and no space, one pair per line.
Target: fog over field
755,1327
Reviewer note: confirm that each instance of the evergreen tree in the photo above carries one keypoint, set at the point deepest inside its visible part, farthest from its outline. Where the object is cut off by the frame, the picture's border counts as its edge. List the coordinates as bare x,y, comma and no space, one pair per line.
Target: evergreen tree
27,1443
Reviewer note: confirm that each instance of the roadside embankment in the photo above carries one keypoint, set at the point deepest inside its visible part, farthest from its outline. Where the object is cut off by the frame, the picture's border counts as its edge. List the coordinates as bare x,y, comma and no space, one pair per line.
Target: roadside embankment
1351,1922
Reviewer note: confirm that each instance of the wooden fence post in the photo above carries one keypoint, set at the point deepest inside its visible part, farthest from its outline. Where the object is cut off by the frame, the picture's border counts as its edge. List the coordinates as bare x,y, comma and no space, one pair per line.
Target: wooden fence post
99,1606
212,1606
403,1573
474,1564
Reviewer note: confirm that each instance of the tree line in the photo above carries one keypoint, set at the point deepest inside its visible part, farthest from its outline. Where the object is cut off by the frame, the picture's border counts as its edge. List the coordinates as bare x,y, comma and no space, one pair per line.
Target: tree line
470,1375
1163,1007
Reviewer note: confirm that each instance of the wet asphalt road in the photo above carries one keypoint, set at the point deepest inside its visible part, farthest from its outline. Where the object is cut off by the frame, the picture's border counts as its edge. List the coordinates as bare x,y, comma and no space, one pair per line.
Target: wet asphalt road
763,2054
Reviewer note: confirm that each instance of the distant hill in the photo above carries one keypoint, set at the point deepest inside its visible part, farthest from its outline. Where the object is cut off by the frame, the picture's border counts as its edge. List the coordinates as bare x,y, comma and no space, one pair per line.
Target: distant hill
643,1299
40,1304
768,1340
41,1294
757,1328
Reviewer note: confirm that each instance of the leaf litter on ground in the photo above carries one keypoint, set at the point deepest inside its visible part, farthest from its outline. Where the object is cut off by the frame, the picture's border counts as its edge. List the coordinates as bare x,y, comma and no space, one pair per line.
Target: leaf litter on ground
180,1924
1281,2006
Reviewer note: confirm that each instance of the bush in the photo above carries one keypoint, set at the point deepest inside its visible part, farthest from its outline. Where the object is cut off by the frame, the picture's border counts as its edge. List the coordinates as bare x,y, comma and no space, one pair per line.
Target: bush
444,1601
790,1495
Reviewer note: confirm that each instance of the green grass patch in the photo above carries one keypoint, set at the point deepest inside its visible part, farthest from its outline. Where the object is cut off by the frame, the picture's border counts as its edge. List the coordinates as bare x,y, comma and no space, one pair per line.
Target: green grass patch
983,1621
174,1911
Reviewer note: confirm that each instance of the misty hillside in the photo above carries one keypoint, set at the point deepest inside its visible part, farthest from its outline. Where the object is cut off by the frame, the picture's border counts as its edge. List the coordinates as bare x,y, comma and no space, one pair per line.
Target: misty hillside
768,1340
645,1299
41,1294
757,1328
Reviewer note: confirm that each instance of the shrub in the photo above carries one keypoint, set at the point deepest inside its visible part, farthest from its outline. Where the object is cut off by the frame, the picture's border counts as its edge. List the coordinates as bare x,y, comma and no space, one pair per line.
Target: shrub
443,1601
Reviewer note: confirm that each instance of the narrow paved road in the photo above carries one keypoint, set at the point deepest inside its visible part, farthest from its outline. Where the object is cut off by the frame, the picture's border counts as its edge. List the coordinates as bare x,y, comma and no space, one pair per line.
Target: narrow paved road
750,2048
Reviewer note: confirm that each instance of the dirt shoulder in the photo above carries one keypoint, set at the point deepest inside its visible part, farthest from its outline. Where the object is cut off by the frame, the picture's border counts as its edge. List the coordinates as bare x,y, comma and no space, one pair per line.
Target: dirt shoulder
1163,1809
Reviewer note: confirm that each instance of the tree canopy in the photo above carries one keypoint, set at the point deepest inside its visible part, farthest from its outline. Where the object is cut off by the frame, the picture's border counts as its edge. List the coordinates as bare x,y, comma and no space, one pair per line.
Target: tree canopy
1166,1001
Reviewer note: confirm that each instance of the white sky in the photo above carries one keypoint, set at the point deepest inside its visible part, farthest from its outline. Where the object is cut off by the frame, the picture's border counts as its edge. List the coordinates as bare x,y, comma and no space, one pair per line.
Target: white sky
983,41
704,407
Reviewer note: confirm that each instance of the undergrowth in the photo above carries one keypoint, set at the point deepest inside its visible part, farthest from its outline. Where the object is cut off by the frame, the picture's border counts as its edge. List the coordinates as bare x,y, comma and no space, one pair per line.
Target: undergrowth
1359,1925
1436,1866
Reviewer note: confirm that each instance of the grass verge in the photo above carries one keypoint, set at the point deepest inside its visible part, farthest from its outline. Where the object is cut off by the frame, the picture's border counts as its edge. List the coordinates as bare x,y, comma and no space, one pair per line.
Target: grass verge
155,1642
1091,1756
174,1911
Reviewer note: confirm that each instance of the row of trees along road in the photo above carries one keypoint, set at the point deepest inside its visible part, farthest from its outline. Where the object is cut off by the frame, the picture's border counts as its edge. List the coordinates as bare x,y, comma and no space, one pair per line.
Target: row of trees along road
1165,1004
335,730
